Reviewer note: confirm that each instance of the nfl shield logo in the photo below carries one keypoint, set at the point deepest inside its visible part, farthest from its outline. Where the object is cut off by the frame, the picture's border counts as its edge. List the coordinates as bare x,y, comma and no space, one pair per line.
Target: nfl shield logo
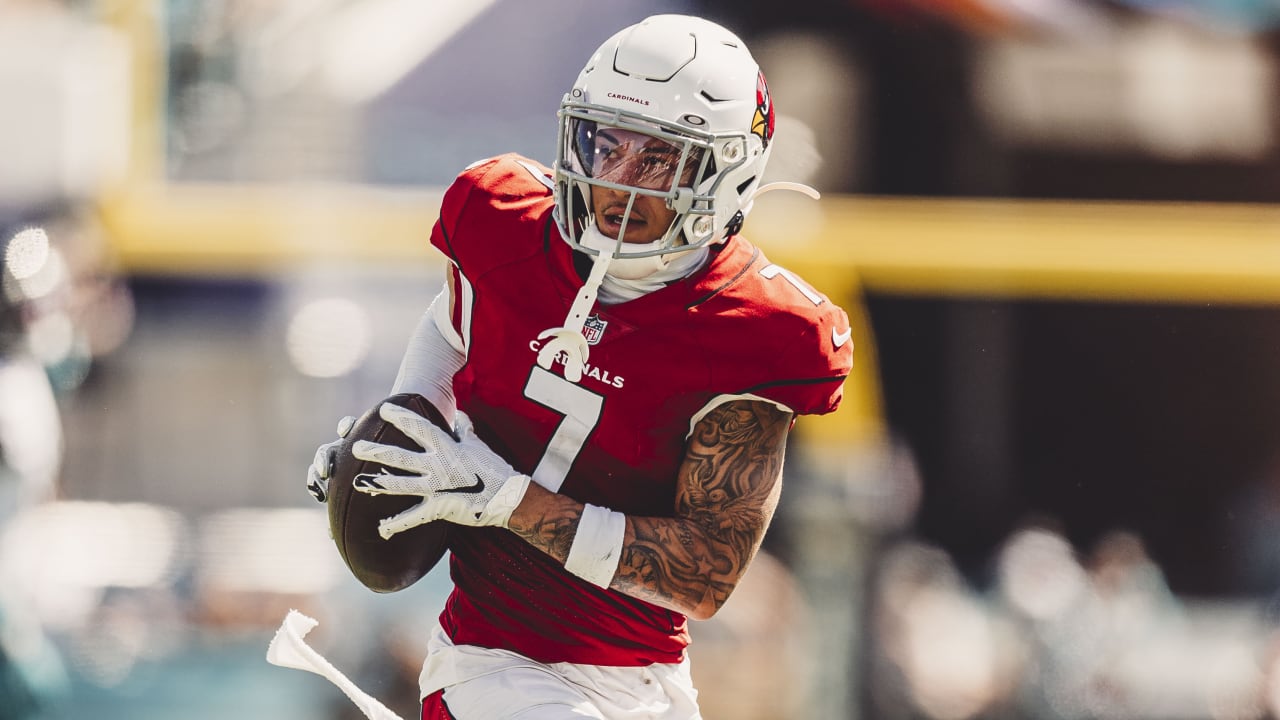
593,329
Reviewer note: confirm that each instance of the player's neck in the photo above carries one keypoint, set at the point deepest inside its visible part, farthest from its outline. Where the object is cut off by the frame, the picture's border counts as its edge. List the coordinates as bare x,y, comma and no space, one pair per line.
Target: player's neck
614,290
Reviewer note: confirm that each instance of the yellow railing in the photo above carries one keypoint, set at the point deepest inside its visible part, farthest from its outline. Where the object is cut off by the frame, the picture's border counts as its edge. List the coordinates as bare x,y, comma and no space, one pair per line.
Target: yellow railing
1163,252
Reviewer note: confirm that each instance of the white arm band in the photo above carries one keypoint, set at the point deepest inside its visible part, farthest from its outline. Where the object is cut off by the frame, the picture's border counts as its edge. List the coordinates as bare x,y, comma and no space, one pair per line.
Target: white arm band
597,547
431,359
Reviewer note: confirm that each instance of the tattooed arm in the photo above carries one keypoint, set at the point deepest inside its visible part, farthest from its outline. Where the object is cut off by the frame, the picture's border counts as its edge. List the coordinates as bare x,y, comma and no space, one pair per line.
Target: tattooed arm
726,493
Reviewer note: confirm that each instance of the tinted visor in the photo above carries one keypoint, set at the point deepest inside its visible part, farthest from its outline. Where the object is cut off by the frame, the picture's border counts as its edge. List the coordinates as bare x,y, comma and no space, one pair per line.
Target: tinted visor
632,158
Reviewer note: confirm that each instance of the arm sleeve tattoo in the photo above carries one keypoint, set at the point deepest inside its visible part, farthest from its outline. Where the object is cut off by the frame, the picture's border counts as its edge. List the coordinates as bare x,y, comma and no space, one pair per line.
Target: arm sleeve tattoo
726,494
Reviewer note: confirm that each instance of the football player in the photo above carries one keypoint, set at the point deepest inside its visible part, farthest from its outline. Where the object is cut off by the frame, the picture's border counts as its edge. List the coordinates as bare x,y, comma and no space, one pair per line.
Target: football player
625,368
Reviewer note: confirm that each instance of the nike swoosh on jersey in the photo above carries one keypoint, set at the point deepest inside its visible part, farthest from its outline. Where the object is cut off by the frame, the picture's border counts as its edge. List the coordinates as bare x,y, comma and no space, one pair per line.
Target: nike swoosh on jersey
840,338
477,487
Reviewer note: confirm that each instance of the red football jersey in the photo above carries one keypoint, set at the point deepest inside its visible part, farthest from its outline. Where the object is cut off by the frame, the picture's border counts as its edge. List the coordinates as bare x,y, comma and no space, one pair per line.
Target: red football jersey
741,325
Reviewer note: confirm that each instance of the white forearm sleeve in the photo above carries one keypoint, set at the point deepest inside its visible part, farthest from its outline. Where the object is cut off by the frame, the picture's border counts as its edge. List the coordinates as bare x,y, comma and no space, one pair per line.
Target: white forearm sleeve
432,358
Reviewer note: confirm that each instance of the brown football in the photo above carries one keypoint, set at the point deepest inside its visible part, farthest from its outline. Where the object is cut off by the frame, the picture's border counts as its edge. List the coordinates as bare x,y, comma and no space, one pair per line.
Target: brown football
381,565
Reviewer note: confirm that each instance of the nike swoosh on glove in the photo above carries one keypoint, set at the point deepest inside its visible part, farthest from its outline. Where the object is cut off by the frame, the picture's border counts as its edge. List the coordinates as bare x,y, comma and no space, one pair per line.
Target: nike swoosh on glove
322,463
461,481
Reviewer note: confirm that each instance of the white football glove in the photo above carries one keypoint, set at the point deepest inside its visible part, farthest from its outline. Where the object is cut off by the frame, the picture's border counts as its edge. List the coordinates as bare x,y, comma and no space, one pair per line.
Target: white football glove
461,481
322,463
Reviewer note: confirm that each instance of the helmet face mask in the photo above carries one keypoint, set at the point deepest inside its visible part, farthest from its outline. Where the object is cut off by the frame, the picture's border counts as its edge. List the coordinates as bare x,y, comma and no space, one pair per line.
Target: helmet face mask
607,149
672,108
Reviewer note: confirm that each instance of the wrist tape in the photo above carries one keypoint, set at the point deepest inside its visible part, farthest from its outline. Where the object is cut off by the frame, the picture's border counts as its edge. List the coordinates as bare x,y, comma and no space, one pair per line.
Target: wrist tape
597,546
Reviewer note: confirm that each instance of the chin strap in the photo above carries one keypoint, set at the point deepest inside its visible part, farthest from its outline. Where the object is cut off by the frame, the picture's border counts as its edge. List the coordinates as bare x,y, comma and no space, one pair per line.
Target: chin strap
568,343
780,185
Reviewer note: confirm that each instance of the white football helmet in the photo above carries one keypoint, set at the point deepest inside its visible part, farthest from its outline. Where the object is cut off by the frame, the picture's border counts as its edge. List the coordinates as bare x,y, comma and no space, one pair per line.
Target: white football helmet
688,101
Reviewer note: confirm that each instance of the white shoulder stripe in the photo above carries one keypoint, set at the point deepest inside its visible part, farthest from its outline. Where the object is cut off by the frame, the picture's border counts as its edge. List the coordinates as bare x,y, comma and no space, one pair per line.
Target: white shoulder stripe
534,171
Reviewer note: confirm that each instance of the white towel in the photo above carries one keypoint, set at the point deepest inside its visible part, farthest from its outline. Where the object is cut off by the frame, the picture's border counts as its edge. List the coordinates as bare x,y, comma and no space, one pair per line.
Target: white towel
288,649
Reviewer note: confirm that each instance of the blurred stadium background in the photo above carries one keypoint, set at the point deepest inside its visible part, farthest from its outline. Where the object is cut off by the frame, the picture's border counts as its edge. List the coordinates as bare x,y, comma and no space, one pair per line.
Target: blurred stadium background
1053,492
